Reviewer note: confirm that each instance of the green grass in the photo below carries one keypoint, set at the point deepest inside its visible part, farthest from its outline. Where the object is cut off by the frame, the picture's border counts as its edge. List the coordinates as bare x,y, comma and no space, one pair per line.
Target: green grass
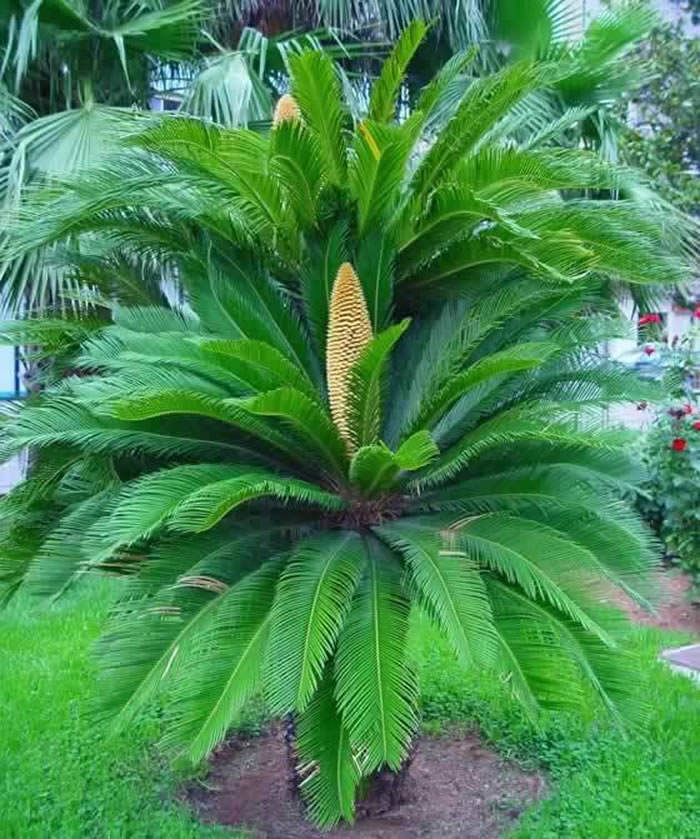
60,776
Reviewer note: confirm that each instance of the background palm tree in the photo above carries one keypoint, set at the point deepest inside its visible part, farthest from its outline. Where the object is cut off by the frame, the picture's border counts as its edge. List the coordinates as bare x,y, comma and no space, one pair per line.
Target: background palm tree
84,77
378,395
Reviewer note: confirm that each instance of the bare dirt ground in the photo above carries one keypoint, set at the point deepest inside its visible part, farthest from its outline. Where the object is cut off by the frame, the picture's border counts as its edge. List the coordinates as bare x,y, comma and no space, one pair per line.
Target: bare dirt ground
673,611
457,788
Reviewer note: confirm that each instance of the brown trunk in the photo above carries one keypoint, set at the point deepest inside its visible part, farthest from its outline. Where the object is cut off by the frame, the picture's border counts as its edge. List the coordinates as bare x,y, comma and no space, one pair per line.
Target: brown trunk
386,789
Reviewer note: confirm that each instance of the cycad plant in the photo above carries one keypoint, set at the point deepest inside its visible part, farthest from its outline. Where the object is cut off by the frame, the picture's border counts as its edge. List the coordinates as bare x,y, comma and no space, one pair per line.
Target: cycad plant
379,394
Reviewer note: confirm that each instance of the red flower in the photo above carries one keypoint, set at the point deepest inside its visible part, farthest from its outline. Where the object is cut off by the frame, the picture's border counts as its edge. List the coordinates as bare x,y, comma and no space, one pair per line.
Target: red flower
687,408
649,350
696,313
679,444
654,318
696,425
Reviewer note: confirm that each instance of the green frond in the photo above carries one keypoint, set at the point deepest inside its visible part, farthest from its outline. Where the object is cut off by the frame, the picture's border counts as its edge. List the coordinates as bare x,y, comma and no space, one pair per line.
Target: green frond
376,689
485,101
375,265
295,159
66,554
307,418
313,599
522,356
375,469
546,565
376,168
65,422
366,380
546,423
157,404
238,301
317,277
316,88
382,103
326,758
225,665
416,451
433,95
195,497
449,584
551,663
258,365
150,637
206,506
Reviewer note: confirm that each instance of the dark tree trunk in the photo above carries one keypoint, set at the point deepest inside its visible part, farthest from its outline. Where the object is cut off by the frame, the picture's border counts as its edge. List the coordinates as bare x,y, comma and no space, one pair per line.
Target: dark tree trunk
385,789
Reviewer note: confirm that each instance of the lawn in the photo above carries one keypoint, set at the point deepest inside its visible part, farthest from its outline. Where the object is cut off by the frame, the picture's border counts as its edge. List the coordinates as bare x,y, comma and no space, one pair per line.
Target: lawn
61,777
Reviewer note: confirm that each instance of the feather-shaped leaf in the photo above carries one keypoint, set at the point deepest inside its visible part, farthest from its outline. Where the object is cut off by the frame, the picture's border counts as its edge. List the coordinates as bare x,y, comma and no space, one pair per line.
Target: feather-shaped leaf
375,687
317,278
325,753
258,365
316,88
449,584
552,662
296,160
385,89
522,356
373,469
164,612
375,266
225,666
313,599
307,418
366,378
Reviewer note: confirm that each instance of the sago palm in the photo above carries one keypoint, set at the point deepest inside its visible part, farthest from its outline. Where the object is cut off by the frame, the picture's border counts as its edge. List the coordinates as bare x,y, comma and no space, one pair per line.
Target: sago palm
379,394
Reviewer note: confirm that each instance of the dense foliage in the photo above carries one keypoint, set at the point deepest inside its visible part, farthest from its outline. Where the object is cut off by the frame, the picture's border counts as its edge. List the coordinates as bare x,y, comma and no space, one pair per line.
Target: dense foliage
662,131
670,499
75,81
377,392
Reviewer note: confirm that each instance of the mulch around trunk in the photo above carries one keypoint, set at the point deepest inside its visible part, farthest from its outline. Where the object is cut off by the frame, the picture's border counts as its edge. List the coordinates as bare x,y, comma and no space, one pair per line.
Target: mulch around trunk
457,787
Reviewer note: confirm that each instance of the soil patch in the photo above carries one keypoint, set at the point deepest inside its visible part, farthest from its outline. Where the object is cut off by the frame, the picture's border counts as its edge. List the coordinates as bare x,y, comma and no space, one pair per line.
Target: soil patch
674,610
456,788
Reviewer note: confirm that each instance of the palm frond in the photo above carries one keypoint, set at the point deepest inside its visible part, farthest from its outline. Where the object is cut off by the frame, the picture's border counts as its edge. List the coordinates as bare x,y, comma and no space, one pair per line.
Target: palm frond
450,586
327,759
375,686
365,385
316,88
385,89
225,666
312,601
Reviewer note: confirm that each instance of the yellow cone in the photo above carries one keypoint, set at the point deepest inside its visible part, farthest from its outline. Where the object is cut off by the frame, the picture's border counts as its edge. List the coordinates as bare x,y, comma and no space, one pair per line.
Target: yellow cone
285,109
349,332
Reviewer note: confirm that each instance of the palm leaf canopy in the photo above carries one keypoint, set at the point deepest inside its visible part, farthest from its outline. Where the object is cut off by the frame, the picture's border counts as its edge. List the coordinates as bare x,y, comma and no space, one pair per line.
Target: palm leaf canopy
381,391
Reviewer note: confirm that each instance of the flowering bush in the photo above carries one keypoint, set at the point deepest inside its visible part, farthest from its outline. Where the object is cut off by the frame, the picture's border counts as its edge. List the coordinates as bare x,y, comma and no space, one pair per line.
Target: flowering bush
671,499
